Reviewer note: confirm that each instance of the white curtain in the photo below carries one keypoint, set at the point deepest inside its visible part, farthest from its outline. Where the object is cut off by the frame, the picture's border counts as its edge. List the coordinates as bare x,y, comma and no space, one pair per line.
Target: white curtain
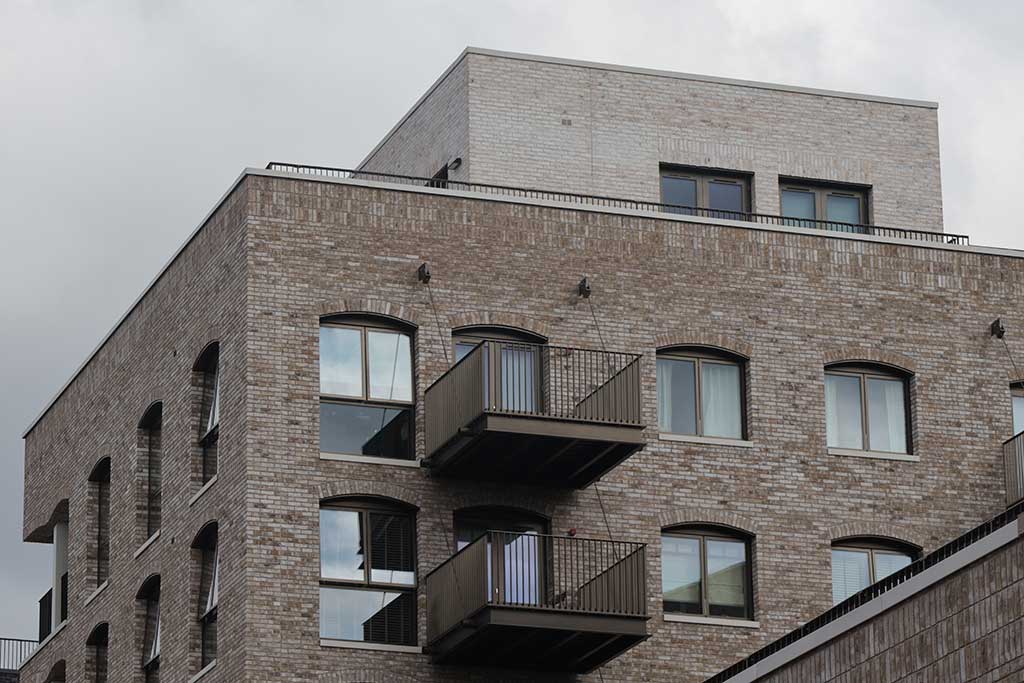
850,573
721,401
887,420
843,411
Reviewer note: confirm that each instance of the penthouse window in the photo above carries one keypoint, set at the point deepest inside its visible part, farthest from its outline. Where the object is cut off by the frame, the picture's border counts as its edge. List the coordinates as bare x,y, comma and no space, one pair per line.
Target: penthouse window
859,562
825,202
701,393
705,192
367,571
206,381
867,408
366,388
706,571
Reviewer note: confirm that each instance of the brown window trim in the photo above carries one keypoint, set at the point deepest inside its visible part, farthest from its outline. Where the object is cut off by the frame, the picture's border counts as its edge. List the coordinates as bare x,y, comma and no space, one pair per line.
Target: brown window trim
864,372
873,546
365,507
698,356
702,534
821,191
703,176
364,328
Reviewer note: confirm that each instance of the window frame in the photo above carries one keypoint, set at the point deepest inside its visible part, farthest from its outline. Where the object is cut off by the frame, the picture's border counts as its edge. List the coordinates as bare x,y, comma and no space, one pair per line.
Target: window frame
1016,392
151,659
364,325
210,611
821,191
699,356
366,506
703,177
210,433
703,533
865,372
872,546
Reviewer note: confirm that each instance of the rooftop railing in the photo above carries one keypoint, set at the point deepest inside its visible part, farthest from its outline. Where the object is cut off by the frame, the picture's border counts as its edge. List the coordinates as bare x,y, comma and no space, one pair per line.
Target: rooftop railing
561,574
1013,455
874,591
619,203
14,651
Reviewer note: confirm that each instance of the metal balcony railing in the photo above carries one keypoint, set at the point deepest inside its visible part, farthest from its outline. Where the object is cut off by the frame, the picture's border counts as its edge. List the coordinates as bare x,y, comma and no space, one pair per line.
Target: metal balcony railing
1013,456
618,203
525,571
533,380
14,651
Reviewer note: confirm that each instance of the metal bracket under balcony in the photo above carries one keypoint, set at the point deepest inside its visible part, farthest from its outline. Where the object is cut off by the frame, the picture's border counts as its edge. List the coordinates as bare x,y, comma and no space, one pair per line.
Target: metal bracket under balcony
537,602
532,413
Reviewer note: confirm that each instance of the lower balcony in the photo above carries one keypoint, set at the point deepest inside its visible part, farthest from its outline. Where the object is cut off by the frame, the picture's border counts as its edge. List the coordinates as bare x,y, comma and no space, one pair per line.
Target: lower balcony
524,600
1013,456
535,414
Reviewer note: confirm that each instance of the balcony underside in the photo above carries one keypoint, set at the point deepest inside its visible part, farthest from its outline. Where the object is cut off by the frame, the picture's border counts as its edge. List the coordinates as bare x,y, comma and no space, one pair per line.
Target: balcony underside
541,640
536,450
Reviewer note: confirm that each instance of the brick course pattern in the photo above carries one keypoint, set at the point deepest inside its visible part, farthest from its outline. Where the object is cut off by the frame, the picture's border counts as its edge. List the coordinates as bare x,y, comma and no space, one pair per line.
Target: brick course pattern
969,627
535,122
281,252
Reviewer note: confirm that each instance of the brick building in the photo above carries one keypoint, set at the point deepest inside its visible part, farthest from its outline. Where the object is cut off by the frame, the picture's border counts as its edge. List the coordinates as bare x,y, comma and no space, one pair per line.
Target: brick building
417,423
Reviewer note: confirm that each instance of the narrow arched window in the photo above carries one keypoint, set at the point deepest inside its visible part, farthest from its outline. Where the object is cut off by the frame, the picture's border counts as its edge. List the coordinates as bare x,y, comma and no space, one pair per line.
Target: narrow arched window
206,557
867,408
366,388
859,562
58,673
701,392
706,571
206,383
99,502
149,627
96,663
517,356
367,571
150,457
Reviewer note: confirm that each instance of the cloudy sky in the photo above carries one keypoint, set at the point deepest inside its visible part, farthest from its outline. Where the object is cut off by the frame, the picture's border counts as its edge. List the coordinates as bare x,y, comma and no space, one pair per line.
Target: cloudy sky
121,123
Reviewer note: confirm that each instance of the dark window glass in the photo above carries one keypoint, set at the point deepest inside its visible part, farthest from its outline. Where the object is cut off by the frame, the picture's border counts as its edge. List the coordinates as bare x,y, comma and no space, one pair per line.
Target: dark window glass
680,192
706,574
798,204
843,208
705,191
360,429
809,205
727,196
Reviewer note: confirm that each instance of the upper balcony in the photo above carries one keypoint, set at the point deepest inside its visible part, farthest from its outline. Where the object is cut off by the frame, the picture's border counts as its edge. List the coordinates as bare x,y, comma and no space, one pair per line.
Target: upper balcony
534,413
1013,456
14,651
534,601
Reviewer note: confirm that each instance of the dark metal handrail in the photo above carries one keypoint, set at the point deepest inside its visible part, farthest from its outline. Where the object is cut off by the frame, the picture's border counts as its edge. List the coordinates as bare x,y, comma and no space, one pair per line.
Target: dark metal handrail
1013,457
533,380
537,572
619,203
873,591
14,651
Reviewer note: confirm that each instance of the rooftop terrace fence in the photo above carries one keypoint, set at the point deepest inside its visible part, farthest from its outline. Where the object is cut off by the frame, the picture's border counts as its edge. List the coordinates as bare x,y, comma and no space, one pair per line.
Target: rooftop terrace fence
873,591
14,651
619,203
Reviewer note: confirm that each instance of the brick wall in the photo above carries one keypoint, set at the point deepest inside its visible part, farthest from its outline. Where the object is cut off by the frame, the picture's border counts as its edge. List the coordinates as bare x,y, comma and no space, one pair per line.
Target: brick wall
966,628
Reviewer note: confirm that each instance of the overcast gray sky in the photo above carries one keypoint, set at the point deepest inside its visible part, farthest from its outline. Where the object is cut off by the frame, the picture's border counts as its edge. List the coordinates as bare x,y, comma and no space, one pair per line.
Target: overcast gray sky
121,123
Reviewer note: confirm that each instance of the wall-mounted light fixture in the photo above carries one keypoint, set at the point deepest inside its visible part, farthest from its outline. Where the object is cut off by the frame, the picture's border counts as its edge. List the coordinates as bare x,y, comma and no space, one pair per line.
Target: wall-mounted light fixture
423,274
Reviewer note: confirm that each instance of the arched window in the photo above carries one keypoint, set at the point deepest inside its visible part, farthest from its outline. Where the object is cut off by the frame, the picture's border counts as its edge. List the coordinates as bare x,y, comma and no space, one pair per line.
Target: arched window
99,502
58,673
706,571
148,627
206,381
96,654
701,392
366,387
206,576
150,451
859,562
867,408
367,571
517,353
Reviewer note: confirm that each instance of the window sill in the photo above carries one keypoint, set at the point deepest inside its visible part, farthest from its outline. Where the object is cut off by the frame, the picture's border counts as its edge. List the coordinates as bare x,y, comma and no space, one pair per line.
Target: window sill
202,672
711,621
707,440
382,647
877,455
149,541
95,593
200,492
369,459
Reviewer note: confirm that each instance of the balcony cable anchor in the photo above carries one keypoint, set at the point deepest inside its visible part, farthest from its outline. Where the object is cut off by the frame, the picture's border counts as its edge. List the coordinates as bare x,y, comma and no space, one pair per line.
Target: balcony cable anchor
998,330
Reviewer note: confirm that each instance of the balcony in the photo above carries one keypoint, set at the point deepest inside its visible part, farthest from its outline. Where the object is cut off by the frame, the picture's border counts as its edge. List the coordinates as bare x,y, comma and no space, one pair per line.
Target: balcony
1013,457
533,413
13,652
532,601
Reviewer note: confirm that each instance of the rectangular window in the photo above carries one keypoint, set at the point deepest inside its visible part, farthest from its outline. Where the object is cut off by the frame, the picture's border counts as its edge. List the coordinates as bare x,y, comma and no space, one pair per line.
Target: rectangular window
700,396
866,411
706,575
854,569
835,207
705,192
367,575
